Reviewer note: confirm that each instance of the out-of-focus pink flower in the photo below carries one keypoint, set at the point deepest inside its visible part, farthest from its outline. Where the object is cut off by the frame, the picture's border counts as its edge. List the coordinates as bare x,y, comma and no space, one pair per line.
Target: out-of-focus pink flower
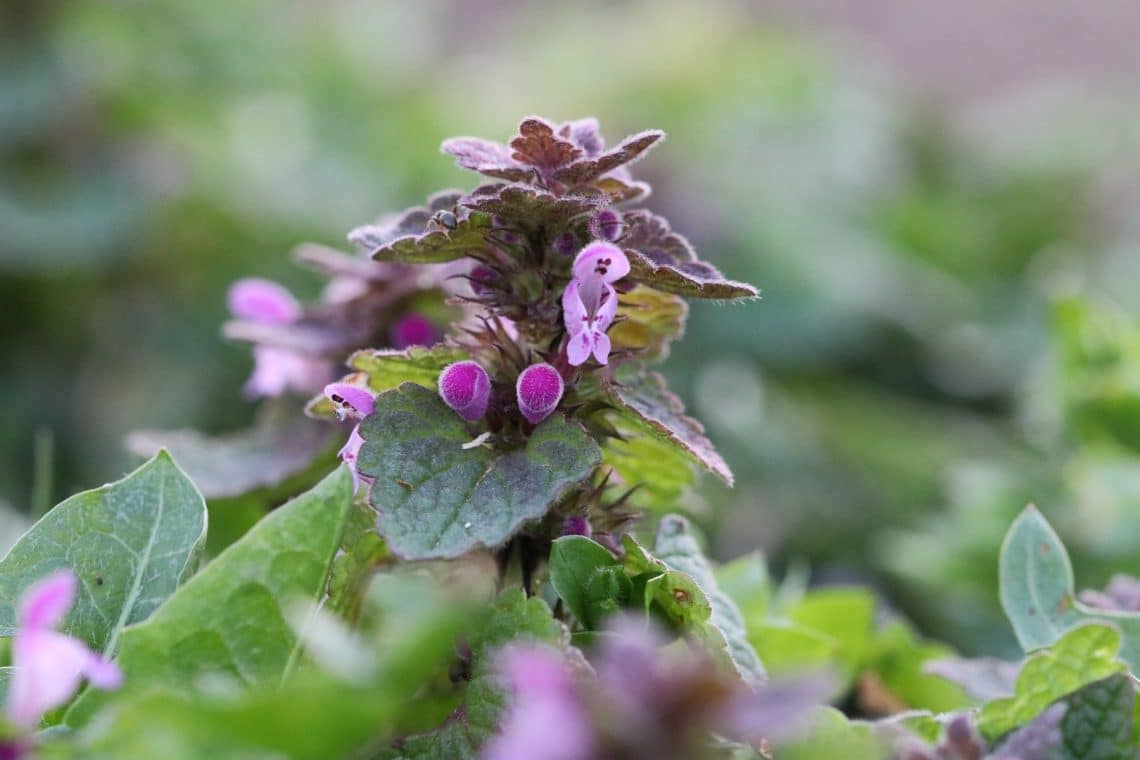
264,301
50,665
539,389
589,303
351,402
414,330
546,720
276,370
466,388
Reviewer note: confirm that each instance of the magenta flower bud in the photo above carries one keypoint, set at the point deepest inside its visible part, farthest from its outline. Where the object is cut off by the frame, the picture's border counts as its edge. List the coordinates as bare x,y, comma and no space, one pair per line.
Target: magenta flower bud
481,279
414,330
539,390
577,525
607,225
466,388
566,244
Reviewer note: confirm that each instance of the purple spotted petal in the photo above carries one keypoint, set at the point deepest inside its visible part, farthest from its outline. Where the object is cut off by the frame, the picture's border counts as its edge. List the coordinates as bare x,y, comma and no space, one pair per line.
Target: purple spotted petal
45,604
601,260
539,389
263,301
350,400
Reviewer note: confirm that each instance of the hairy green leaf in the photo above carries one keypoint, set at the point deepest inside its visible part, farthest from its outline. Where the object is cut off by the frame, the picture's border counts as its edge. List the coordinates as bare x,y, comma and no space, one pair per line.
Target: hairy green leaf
440,245
589,579
230,619
1084,654
131,543
643,406
677,548
437,499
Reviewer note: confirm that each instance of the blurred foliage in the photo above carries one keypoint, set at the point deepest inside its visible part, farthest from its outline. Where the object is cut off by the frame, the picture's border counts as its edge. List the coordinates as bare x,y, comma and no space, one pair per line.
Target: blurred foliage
945,334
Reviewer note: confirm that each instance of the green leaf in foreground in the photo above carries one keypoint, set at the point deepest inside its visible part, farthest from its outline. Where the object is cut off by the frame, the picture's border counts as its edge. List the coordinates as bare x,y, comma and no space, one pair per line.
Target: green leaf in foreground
1038,594
1085,654
131,543
514,618
589,579
437,499
677,548
231,618
1099,721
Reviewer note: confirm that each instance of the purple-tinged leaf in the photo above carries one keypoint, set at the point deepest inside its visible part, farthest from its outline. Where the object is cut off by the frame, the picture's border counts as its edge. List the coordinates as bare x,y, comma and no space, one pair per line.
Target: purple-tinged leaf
665,260
274,449
334,263
1040,737
587,170
414,221
1122,595
643,400
538,145
529,206
982,678
435,246
585,133
486,157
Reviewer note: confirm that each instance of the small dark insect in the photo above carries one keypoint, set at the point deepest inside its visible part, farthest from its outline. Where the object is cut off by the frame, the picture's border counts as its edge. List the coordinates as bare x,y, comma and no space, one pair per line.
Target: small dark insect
98,580
445,219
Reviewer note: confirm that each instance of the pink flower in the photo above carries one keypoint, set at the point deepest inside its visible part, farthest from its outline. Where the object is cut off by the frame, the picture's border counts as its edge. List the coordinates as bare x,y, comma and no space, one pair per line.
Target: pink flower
275,369
414,330
50,665
263,301
539,389
465,387
546,720
589,302
351,402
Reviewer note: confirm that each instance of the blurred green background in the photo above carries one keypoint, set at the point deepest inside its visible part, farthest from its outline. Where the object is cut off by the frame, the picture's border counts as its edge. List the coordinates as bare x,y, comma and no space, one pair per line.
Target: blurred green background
941,208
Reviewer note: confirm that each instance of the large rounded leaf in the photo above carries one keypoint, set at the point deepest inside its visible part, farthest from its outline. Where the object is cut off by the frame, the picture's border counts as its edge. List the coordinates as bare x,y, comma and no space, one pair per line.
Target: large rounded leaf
437,498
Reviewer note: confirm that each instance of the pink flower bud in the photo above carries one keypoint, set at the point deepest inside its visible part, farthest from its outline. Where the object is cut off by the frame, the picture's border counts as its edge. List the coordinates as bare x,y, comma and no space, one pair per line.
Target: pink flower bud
465,387
414,330
566,244
607,225
482,279
576,526
539,390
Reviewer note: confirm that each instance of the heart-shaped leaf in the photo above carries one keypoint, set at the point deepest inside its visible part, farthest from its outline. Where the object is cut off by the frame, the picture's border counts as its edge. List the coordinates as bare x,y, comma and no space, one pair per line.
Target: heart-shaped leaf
437,498
131,543
230,619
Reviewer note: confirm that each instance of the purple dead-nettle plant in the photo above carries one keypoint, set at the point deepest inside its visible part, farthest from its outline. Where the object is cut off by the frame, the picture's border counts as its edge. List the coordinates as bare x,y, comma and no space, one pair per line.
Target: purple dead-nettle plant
498,343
